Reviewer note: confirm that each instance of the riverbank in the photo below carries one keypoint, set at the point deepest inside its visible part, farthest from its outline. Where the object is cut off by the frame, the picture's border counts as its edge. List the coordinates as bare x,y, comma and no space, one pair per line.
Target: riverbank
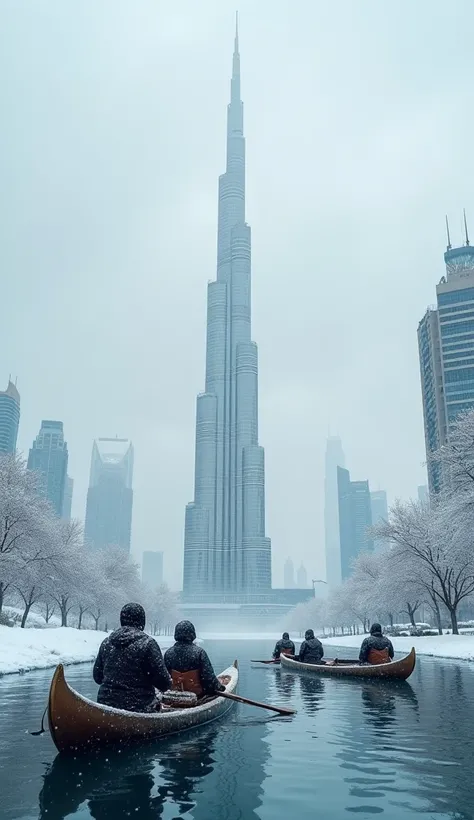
456,647
23,650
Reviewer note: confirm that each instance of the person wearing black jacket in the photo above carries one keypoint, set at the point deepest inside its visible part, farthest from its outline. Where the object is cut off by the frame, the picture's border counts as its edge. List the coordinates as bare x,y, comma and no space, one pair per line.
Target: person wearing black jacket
311,650
189,664
284,645
129,666
377,648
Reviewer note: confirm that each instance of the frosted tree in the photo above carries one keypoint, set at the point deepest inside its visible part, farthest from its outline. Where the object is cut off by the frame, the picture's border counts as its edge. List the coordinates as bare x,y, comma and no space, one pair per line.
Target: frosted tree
67,582
438,550
28,533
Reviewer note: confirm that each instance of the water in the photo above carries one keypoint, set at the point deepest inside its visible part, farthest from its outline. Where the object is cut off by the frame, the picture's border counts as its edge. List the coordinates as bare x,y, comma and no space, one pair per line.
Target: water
354,748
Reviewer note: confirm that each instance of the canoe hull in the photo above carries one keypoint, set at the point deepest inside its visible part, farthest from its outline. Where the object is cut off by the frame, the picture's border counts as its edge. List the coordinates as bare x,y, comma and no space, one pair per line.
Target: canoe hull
77,723
395,670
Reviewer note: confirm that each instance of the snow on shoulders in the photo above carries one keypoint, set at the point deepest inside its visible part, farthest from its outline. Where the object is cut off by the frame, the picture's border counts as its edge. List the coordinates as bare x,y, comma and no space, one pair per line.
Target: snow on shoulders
22,650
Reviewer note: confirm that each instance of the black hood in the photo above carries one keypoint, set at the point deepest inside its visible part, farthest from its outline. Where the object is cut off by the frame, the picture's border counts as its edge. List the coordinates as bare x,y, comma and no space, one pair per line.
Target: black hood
185,632
375,629
133,615
285,636
125,635
308,635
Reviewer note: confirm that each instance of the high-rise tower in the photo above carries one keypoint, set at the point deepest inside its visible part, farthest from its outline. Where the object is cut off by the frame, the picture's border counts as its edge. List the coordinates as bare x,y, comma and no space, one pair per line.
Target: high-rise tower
446,349
9,419
48,457
226,553
334,459
110,494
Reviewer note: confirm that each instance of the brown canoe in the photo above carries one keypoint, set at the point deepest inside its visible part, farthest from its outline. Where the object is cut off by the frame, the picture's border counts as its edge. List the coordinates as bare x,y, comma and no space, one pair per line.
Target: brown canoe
395,670
77,723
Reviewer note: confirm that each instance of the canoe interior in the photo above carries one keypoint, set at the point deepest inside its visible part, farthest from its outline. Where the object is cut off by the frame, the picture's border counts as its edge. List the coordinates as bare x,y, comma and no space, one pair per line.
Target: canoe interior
399,669
79,724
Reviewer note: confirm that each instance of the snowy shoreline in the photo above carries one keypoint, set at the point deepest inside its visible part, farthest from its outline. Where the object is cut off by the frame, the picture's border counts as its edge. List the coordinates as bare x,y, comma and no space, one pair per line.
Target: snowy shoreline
26,650
450,647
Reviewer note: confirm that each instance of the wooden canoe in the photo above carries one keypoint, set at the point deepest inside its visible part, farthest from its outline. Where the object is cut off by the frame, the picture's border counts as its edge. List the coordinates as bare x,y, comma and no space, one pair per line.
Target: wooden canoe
399,669
77,723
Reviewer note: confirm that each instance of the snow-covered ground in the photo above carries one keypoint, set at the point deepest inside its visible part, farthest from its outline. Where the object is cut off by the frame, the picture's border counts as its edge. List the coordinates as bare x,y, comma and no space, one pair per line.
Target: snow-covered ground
440,646
22,650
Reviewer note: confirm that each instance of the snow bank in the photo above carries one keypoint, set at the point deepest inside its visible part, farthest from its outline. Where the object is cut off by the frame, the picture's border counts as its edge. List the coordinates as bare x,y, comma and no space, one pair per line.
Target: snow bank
22,650
459,647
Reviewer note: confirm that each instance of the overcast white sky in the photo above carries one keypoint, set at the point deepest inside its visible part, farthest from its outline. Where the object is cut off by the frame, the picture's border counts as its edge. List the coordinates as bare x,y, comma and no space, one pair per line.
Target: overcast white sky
359,122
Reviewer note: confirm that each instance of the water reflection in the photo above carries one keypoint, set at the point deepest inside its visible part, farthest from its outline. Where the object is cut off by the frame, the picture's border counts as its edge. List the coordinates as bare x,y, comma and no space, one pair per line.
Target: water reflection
284,684
312,691
128,783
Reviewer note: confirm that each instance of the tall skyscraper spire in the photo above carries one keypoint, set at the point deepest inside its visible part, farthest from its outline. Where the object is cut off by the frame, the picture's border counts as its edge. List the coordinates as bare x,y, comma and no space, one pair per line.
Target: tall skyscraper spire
226,553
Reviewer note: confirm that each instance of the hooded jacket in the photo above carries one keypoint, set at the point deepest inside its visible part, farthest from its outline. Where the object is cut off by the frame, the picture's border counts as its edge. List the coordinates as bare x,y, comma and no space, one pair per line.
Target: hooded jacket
283,643
186,656
311,650
375,641
128,668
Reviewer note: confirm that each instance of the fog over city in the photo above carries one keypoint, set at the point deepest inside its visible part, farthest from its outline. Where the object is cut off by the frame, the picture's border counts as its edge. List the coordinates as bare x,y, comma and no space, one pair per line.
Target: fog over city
358,125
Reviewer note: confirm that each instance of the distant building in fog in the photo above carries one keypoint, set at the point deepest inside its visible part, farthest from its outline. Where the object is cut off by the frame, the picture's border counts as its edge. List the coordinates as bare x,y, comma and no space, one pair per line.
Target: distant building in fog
302,578
355,517
48,457
289,574
9,418
152,569
67,501
379,508
334,459
423,494
110,494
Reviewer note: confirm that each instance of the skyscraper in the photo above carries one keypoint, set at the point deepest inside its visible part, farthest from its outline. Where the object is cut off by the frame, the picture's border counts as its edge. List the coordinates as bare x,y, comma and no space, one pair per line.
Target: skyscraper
334,459
355,517
302,578
379,507
110,494
152,569
289,574
226,554
423,494
446,350
67,502
48,457
9,418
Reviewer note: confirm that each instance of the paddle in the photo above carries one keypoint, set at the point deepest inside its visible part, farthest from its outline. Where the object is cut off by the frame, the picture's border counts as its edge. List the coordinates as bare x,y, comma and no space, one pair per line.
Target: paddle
281,710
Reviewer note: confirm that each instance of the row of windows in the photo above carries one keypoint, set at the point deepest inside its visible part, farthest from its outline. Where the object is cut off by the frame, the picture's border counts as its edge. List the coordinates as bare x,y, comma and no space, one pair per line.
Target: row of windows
461,374
455,309
454,296
458,363
450,318
468,345
464,390
458,327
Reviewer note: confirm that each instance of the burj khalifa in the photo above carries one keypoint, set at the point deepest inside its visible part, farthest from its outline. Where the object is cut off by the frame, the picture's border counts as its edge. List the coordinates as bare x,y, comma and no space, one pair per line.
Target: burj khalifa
227,557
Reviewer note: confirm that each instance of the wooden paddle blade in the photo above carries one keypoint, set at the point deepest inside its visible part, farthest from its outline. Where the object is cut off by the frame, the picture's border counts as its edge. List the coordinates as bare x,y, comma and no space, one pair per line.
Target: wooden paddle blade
280,709
274,660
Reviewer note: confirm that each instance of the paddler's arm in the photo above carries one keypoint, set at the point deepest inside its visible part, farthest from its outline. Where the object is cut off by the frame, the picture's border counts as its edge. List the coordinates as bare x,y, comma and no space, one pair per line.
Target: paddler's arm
98,671
208,677
159,674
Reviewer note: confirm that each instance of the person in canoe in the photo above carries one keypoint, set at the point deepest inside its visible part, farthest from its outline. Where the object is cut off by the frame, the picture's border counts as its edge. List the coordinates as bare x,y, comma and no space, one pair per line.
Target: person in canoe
189,664
129,666
377,648
311,650
284,646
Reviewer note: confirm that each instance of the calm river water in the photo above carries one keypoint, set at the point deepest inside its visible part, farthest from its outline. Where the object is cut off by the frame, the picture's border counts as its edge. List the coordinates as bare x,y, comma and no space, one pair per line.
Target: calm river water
354,748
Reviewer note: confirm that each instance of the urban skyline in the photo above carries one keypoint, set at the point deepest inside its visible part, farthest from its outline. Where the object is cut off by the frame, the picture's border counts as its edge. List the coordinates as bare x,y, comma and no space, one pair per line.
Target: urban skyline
108,520
226,551
48,457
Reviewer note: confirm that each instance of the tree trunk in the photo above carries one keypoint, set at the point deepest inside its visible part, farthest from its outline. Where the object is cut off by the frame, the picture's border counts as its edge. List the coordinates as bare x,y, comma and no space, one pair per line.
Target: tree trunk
63,615
1,596
390,619
79,622
454,620
25,615
411,614
96,622
437,615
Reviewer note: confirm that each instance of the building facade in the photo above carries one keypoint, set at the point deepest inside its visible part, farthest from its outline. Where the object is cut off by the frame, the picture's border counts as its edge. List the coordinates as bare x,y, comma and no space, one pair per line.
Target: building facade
334,459
355,518
446,351
110,495
379,508
67,503
289,574
9,419
152,569
302,578
423,494
227,556
49,457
